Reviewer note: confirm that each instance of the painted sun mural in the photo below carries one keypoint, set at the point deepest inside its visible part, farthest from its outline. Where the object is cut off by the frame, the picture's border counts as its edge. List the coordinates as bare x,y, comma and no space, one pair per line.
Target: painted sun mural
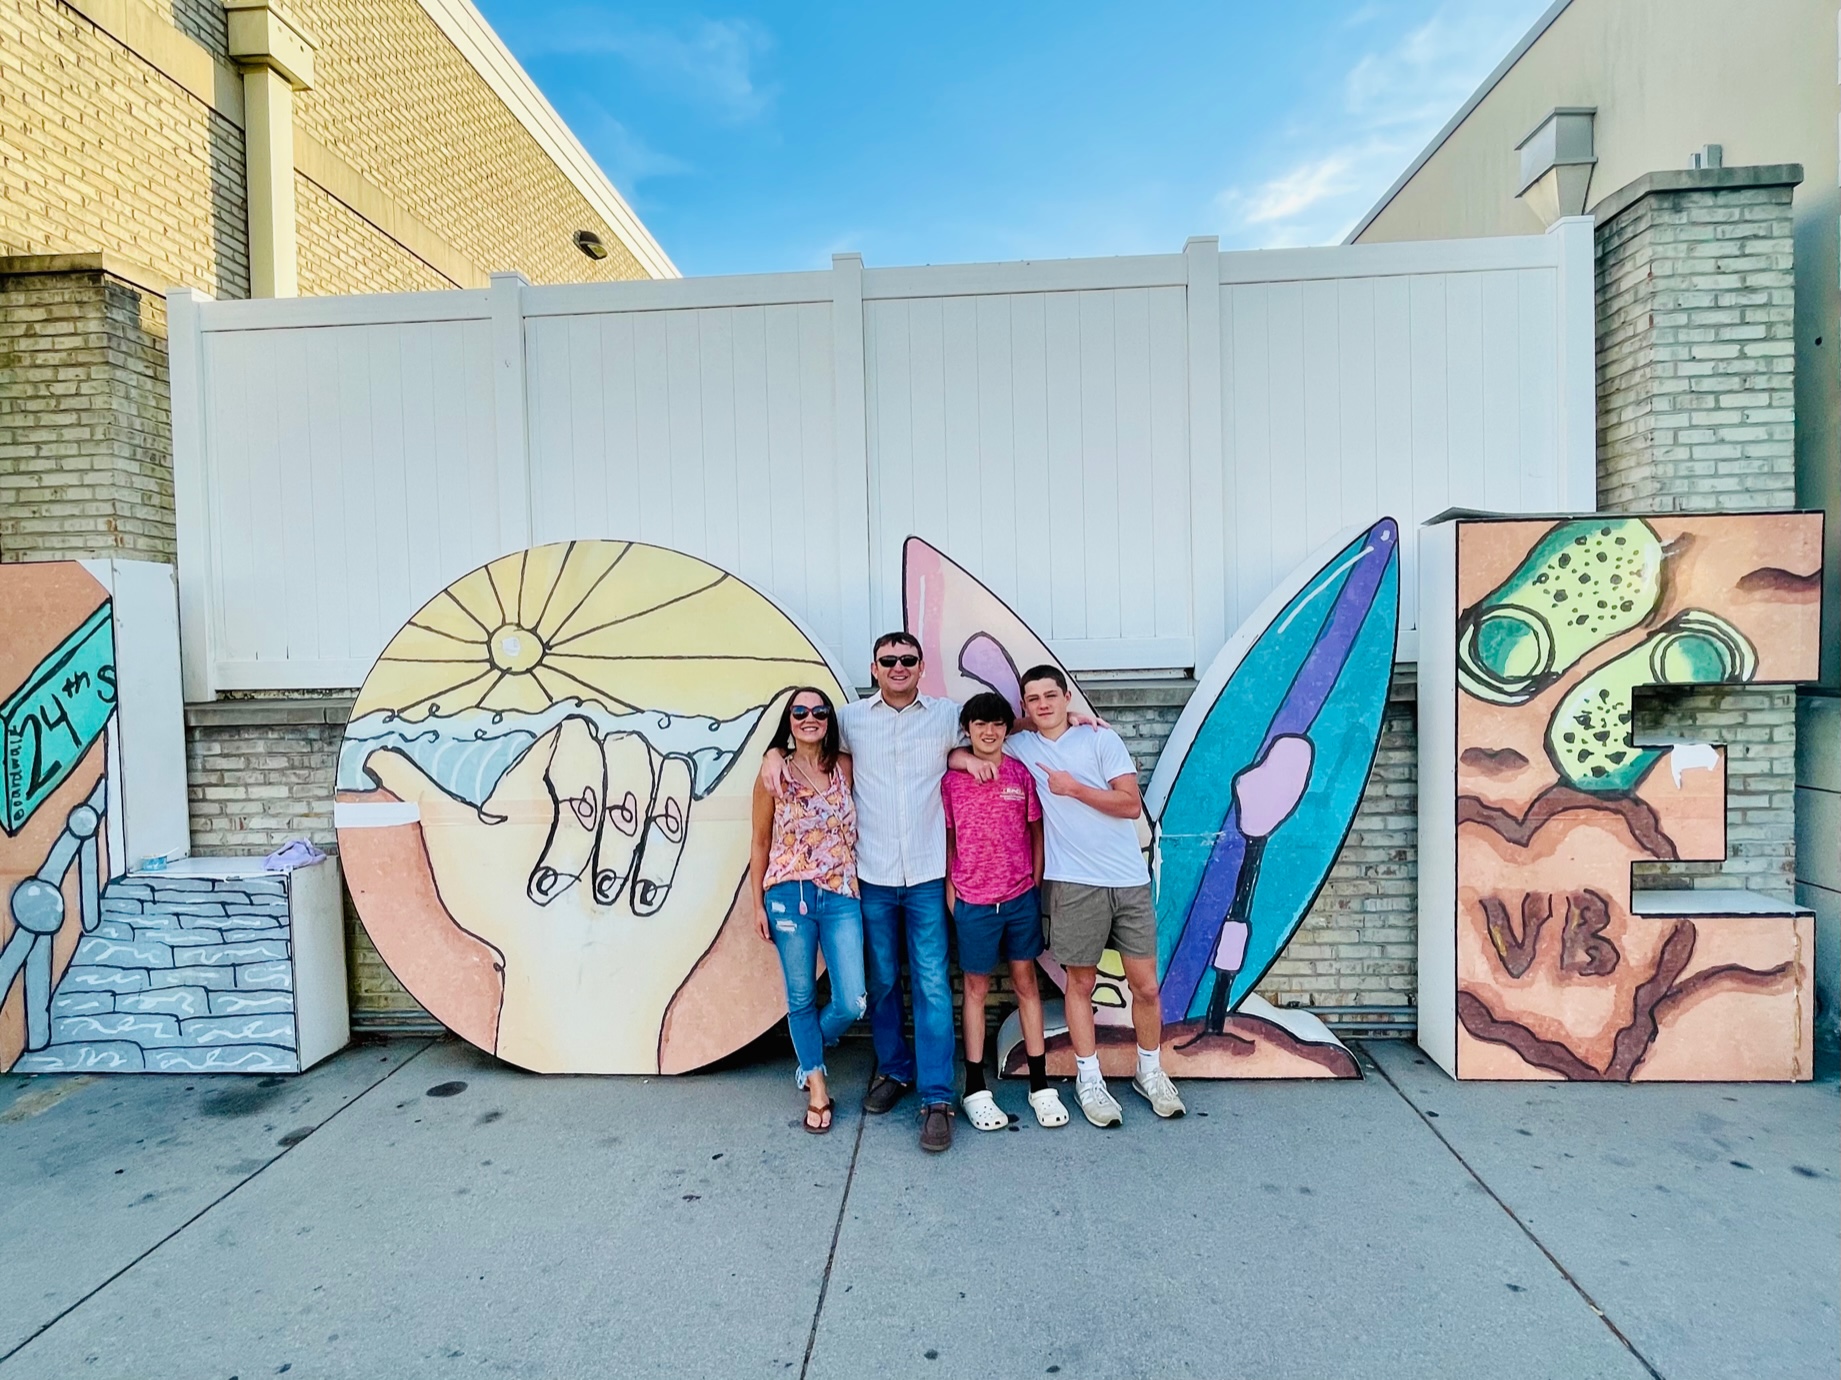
543,805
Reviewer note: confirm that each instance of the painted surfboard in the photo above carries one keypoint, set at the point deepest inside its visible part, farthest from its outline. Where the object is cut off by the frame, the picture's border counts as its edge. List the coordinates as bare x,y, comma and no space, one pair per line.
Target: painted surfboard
973,642
1259,783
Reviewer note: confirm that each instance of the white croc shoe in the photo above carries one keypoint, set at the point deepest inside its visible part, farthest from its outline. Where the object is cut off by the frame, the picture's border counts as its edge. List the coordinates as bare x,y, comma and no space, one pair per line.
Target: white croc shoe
1047,1106
982,1111
1097,1104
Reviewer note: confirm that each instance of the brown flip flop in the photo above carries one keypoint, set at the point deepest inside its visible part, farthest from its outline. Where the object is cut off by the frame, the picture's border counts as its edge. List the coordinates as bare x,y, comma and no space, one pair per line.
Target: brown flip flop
825,1112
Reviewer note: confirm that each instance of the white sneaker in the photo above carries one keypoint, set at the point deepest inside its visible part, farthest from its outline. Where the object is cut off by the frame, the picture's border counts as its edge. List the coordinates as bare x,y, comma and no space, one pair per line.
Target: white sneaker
1157,1089
1098,1105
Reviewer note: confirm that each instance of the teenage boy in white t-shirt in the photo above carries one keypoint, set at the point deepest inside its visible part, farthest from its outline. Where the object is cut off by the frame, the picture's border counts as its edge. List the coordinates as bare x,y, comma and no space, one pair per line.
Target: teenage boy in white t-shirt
1096,888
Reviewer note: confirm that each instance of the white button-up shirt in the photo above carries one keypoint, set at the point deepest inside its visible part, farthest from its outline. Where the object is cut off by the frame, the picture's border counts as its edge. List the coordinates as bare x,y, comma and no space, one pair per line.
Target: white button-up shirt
900,756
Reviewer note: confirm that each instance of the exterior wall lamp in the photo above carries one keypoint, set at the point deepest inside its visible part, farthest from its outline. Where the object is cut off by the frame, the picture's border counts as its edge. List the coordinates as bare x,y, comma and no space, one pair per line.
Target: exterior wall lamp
1556,162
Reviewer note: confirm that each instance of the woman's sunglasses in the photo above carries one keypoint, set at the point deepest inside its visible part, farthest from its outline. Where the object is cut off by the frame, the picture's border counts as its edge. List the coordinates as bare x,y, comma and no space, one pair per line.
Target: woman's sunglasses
818,712
889,663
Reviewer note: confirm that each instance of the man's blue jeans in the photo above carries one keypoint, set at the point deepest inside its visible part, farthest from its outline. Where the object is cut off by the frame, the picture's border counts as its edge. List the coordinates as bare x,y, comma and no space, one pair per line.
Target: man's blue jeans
803,918
911,918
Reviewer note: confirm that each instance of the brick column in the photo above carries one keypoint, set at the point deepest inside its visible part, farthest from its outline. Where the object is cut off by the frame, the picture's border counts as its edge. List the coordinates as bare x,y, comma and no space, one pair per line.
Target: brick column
1697,413
85,420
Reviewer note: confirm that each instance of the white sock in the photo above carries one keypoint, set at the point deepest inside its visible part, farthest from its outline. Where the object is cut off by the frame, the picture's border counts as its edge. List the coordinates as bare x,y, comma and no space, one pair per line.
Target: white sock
1086,1068
1149,1061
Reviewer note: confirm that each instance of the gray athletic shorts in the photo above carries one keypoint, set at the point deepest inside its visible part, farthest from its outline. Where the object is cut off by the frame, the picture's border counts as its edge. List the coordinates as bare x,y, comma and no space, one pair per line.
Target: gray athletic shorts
1082,922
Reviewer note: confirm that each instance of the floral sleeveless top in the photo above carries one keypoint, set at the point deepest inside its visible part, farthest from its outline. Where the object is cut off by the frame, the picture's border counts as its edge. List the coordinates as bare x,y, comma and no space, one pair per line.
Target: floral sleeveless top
814,835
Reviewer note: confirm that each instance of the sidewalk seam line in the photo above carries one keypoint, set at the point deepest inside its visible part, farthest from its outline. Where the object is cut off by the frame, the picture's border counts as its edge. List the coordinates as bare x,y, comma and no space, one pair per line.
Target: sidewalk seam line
1510,1213
65,1312
837,1230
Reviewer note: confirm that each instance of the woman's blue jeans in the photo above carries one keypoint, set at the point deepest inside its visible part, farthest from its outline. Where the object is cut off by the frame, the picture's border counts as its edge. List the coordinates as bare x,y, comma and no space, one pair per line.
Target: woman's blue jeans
803,919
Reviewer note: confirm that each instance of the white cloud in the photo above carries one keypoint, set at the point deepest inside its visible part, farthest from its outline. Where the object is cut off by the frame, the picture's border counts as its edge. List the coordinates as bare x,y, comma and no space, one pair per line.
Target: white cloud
1290,194
709,61
624,156
1393,100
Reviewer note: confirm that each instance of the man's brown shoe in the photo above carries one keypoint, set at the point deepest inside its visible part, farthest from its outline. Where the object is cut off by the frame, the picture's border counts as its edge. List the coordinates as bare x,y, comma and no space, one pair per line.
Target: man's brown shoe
884,1092
936,1127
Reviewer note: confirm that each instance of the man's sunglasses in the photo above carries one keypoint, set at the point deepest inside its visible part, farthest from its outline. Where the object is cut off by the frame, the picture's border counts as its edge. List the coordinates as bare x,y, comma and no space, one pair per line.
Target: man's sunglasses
889,663
817,711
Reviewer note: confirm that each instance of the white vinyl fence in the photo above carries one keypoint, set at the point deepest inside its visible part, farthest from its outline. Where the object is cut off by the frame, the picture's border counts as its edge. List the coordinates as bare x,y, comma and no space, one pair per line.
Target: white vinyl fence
1132,451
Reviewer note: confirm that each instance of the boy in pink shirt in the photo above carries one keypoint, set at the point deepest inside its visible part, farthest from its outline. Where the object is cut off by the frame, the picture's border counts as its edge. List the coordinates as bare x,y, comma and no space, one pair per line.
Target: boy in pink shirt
993,865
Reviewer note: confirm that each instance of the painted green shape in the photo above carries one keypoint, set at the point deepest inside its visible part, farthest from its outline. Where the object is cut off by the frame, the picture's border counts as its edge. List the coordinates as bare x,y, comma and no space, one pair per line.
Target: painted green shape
1582,584
1589,738
51,720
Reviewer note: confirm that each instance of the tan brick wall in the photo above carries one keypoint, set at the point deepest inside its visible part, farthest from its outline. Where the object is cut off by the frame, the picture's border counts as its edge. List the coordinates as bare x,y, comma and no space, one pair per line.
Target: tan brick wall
202,20
339,247
260,772
395,99
85,424
98,151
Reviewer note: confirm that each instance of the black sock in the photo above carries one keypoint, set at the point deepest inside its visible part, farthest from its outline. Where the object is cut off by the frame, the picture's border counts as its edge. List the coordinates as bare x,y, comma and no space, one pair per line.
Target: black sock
1038,1071
974,1076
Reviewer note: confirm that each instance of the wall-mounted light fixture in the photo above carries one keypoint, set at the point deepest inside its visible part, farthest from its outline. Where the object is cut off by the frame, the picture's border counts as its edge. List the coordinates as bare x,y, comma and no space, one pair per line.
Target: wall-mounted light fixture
590,244
1556,162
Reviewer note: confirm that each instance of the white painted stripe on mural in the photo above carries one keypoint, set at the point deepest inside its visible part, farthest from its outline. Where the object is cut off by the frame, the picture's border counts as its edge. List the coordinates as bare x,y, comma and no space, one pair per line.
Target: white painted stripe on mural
375,814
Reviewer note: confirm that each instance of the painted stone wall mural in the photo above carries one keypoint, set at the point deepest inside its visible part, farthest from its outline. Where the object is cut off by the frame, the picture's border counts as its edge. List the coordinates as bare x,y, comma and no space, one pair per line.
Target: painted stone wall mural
1251,799
543,805
57,661
85,646
1537,959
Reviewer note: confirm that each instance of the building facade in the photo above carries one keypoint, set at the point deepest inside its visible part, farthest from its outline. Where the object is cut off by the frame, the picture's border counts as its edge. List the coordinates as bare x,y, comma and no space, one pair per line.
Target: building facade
244,148
1711,173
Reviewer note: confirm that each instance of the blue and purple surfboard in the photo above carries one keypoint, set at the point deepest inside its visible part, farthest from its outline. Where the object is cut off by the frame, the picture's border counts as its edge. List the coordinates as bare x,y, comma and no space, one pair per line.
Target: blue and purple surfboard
1259,784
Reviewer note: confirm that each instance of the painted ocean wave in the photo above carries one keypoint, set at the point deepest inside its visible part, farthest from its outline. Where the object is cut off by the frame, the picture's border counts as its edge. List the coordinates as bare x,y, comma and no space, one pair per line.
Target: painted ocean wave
468,752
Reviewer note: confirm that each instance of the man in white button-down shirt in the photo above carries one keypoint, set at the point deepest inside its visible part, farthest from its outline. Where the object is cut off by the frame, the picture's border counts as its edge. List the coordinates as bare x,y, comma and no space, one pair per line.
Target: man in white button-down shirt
899,739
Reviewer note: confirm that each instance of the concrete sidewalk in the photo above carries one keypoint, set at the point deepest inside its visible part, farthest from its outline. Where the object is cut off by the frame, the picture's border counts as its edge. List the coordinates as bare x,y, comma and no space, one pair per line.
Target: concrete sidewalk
413,1208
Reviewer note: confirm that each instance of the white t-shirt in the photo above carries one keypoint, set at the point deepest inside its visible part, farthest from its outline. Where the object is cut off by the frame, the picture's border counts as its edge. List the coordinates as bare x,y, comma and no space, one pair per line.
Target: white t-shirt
1080,844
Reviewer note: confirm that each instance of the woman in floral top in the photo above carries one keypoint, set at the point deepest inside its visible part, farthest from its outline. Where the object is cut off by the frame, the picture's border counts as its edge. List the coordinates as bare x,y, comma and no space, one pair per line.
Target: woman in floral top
803,873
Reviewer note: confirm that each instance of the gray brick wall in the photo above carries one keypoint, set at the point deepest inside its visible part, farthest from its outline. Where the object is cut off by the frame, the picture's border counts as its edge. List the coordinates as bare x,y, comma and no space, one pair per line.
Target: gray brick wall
1357,947
1696,413
1696,353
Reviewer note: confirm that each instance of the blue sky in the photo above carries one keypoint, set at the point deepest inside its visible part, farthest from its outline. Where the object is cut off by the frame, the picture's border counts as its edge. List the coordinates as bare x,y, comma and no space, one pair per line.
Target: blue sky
757,137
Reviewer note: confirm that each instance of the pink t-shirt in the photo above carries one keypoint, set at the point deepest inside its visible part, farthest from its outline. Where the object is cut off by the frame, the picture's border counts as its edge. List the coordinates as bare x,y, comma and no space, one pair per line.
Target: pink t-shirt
992,857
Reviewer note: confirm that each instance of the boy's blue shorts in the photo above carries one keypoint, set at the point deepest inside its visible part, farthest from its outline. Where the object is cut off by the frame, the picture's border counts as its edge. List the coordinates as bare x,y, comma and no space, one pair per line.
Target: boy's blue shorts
1009,930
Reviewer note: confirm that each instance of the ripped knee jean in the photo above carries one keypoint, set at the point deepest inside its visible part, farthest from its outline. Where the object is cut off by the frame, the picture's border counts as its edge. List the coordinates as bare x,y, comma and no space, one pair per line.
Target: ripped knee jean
805,920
